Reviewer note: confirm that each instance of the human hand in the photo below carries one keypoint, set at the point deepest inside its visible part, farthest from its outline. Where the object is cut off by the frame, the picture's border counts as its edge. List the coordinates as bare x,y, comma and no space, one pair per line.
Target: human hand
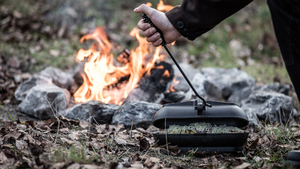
160,20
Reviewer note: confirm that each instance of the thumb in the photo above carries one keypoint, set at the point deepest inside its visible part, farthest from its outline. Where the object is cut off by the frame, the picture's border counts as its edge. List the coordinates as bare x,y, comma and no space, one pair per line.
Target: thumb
145,9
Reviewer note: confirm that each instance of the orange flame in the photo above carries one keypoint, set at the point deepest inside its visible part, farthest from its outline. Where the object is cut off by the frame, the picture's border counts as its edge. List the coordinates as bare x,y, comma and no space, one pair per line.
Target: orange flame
101,74
162,7
175,82
149,4
166,74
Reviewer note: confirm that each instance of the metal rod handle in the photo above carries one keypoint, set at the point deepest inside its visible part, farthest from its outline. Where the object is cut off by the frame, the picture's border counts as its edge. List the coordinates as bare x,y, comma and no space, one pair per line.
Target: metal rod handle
148,20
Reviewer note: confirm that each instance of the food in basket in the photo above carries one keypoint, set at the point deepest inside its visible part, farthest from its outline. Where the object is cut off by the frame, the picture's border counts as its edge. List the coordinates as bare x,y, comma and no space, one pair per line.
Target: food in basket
202,128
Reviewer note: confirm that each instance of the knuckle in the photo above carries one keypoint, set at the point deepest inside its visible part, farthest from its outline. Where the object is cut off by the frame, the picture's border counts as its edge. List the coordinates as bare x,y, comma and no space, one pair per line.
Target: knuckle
149,39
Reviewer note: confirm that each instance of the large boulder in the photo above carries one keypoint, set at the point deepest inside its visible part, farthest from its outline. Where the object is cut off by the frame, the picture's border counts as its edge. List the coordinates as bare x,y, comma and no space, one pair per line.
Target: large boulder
198,82
43,101
136,114
48,76
230,84
27,85
98,111
276,87
271,107
60,78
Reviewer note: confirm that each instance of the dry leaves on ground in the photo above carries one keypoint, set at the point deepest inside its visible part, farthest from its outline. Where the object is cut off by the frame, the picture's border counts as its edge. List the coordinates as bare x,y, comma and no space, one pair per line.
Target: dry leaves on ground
46,144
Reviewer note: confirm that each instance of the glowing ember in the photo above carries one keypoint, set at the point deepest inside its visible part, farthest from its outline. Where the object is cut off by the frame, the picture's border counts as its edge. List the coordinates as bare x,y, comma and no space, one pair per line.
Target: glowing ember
101,78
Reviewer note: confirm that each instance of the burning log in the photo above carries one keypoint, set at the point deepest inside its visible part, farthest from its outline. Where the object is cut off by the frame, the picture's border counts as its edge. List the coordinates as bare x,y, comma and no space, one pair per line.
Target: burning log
151,87
124,57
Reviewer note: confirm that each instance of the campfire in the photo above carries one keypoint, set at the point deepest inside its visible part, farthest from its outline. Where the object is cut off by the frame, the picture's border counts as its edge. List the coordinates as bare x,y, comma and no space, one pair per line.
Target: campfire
103,80
102,77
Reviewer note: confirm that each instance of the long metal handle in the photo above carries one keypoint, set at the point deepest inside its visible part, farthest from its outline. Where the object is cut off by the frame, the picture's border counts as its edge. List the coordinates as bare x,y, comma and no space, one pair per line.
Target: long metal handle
148,20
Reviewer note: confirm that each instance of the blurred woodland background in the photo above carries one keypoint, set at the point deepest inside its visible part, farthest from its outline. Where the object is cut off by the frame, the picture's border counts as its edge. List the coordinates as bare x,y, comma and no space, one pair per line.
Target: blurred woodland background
47,33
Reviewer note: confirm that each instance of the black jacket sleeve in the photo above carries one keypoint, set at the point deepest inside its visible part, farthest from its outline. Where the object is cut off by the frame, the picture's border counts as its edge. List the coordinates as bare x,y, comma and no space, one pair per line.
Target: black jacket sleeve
195,17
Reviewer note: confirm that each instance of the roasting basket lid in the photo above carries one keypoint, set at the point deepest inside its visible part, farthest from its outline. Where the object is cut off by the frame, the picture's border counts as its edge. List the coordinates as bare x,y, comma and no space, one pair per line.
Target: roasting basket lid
185,113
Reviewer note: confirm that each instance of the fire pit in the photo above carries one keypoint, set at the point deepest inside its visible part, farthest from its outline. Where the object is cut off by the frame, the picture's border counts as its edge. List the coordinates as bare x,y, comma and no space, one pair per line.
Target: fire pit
106,88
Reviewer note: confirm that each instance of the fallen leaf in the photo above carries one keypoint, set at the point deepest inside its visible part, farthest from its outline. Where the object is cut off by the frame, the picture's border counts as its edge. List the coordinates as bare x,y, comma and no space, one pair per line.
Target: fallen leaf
156,166
144,144
74,135
14,135
257,159
101,128
148,163
64,130
29,139
97,145
21,144
175,150
177,167
253,145
35,149
297,134
137,165
70,142
90,166
45,123
215,162
243,166
119,127
84,124
74,166
123,135
7,146
3,158
58,165
136,157
29,162
154,159
121,141
13,62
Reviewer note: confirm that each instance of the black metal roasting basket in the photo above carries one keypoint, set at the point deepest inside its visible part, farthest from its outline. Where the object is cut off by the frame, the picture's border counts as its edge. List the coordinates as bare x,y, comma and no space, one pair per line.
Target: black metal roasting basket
219,113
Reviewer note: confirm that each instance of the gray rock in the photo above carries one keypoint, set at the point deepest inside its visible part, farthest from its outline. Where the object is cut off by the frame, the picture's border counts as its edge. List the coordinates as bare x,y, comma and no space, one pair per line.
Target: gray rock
270,107
181,85
230,84
60,78
137,94
277,87
199,82
136,113
48,76
43,101
99,111
188,69
173,97
250,112
78,71
239,94
27,85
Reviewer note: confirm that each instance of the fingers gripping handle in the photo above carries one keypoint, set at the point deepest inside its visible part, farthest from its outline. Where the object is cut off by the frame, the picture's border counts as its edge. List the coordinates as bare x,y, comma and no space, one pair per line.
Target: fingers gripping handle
148,20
